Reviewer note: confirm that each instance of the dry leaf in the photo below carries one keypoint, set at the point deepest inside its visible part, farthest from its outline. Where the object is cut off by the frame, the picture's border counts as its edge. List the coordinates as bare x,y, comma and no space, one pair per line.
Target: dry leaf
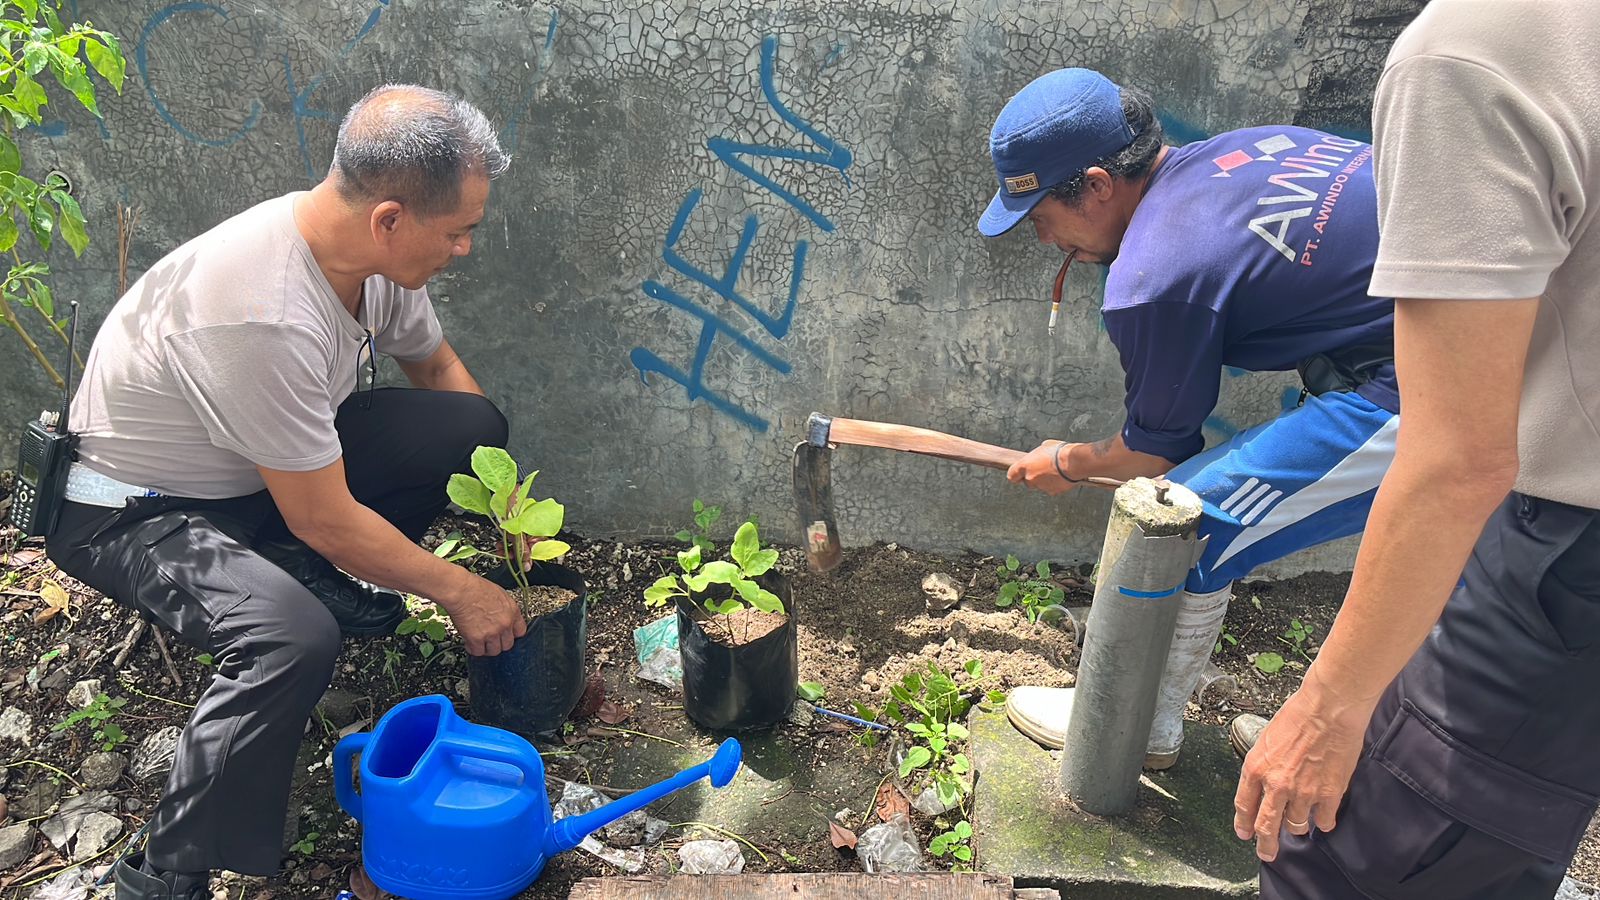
24,557
612,713
57,600
891,801
594,693
3,803
362,885
320,872
841,837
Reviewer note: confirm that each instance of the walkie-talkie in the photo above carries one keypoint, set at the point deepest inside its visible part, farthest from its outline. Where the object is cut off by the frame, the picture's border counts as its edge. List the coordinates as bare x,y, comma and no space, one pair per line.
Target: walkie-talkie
47,445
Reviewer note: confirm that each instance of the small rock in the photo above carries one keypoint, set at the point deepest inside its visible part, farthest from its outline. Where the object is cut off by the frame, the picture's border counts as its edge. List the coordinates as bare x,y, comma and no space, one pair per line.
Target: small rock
801,715
96,833
891,546
627,572
16,842
16,726
35,801
132,804
844,816
55,681
943,590
949,644
870,678
62,827
339,707
153,759
101,770
83,693
299,876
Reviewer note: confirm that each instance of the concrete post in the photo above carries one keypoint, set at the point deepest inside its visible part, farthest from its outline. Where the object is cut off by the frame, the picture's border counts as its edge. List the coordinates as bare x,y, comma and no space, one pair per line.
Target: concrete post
1151,542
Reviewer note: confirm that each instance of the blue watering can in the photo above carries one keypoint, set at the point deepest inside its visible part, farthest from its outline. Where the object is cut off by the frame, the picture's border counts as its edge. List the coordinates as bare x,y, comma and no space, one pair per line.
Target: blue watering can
455,811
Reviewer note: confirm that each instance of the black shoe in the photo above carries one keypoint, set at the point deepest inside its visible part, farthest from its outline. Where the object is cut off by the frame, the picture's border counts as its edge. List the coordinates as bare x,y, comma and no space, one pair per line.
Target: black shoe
137,880
361,609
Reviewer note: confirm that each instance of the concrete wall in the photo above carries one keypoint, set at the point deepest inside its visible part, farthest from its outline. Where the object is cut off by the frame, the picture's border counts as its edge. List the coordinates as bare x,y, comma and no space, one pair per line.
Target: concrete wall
844,143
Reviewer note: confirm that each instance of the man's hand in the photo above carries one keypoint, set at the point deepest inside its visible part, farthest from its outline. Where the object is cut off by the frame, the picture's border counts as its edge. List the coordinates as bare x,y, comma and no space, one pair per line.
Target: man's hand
487,617
1298,771
1039,471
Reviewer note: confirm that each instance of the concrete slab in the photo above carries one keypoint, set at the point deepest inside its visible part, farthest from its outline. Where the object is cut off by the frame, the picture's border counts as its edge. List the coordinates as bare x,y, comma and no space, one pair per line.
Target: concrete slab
1177,843
780,796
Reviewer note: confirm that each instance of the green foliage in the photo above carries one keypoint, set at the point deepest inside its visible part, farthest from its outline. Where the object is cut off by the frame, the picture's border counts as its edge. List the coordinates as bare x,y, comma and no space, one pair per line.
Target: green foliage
427,629
704,517
1269,663
812,691
955,844
749,560
33,41
306,845
523,527
1021,586
1297,636
206,659
929,706
1226,637
99,713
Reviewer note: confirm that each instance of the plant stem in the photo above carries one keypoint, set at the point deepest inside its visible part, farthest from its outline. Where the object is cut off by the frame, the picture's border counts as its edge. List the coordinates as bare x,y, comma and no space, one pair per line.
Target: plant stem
640,734
725,832
17,258
9,316
35,762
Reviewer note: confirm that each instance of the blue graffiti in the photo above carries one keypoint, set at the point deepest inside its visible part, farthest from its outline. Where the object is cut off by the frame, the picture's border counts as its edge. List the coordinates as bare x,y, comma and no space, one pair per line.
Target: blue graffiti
725,285
142,62
831,155
299,97
509,133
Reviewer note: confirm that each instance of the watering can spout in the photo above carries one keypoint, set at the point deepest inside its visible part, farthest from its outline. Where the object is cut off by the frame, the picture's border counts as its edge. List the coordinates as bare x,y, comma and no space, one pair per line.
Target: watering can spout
567,833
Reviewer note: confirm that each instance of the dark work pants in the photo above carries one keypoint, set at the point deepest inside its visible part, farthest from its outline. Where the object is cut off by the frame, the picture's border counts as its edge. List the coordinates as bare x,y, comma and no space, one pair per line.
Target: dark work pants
189,565
1478,778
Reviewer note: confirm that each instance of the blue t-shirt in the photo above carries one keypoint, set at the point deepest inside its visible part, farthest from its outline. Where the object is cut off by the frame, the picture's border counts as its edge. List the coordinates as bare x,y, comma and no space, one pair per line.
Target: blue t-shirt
1252,249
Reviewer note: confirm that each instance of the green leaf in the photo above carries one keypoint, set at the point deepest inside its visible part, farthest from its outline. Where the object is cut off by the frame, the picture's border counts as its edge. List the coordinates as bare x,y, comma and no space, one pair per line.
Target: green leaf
767,601
549,549
8,230
446,547
541,519
918,757
963,853
1269,663
699,507
35,56
957,731
811,691
10,156
963,829
715,572
974,668
426,649
948,790
1008,594
71,222
40,298
724,607
760,562
745,544
434,629
1012,564
106,58
42,220
959,764
71,74
409,626
1043,568
468,493
689,560
665,588
684,535
496,468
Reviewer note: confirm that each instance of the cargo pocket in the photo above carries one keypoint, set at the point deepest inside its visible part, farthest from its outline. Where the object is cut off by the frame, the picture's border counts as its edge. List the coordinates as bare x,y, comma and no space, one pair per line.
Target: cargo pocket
1437,818
185,585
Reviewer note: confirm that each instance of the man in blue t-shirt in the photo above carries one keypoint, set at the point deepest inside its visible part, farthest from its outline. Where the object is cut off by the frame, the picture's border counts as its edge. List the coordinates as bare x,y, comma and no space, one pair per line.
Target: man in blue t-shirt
1252,249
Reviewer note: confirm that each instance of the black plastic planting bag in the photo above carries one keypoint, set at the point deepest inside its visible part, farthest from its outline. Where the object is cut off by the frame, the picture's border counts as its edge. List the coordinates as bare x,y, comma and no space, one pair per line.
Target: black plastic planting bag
532,688
744,687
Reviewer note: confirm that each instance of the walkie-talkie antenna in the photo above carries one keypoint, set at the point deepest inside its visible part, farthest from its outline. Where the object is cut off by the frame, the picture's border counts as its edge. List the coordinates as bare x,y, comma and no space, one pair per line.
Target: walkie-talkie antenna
66,392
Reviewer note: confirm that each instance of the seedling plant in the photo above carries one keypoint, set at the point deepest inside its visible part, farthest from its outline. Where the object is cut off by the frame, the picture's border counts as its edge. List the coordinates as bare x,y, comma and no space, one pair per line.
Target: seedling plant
1034,594
524,528
930,706
704,517
954,843
749,560
99,713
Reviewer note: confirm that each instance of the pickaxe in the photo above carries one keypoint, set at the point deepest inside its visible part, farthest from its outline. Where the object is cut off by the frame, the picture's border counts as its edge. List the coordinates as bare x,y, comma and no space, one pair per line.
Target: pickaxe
813,477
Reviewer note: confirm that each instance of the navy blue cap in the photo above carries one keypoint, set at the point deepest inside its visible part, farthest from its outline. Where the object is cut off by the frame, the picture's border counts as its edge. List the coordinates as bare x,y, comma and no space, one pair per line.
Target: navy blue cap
1054,128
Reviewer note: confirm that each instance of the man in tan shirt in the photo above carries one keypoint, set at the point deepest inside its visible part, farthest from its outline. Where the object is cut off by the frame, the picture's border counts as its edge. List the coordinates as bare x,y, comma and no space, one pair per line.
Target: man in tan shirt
229,467
1476,778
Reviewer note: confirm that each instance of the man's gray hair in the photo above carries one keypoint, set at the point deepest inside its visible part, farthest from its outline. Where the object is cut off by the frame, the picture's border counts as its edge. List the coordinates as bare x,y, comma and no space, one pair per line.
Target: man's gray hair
415,145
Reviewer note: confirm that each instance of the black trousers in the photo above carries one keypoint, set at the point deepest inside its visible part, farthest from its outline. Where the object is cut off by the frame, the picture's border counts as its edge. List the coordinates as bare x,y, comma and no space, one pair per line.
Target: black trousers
1478,778
190,566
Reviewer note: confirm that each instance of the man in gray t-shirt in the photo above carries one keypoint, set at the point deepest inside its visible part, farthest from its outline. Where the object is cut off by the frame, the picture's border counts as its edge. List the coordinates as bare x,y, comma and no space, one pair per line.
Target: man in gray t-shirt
230,465
1450,754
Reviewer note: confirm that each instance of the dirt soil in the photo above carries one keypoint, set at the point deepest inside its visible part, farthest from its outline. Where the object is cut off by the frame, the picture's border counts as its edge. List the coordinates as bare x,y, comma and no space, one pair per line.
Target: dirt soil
740,627
540,599
861,627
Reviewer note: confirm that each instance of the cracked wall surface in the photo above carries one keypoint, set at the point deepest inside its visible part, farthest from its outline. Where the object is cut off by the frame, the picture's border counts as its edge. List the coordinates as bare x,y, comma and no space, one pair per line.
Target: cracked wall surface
720,217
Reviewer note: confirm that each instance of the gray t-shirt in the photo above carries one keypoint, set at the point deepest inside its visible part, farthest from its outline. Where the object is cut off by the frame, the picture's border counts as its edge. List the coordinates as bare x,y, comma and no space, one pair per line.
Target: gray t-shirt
230,353
1487,129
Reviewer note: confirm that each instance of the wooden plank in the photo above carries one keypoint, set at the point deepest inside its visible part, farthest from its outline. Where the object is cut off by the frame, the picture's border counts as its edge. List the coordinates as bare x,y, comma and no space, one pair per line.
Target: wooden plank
1037,894
813,886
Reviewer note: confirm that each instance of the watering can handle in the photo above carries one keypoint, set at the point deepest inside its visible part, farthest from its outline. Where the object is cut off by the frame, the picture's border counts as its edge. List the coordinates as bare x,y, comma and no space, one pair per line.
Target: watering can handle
493,753
344,788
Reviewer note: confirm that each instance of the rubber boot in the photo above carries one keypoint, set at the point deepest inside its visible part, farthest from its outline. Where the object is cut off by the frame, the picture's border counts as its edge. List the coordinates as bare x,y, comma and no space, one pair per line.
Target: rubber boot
1199,624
